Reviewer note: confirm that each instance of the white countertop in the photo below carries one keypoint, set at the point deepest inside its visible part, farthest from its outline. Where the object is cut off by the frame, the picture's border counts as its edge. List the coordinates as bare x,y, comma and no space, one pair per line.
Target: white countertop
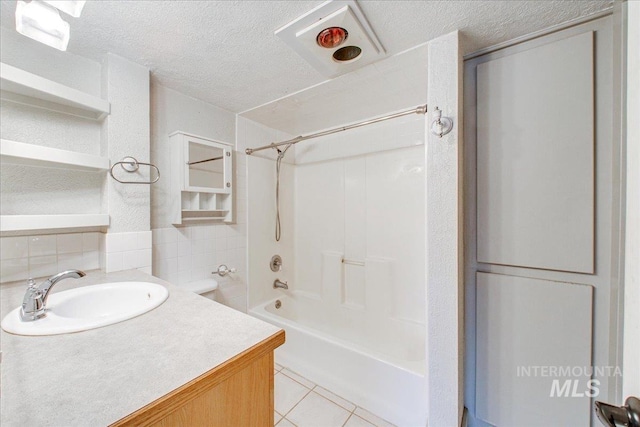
99,376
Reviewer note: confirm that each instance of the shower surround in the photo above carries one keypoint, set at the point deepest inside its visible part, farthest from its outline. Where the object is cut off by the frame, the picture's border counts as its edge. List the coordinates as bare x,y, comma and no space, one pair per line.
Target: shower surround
353,249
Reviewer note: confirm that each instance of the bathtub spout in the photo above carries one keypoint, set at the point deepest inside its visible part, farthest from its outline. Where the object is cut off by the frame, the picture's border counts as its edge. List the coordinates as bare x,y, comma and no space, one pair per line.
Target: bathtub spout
278,284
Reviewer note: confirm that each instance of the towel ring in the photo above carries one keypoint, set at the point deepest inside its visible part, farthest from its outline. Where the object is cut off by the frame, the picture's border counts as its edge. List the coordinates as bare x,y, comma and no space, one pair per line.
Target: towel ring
130,164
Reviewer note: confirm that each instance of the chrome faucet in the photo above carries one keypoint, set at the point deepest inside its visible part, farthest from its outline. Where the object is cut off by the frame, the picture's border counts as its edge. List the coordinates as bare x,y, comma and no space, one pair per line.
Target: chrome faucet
34,302
278,284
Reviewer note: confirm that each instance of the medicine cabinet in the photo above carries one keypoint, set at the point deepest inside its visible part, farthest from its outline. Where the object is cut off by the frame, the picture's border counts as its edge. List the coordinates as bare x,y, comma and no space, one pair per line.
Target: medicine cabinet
201,179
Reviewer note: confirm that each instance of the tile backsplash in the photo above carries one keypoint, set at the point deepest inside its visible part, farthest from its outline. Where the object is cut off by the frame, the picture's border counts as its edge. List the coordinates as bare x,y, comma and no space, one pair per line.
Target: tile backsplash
126,251
187,254
22,257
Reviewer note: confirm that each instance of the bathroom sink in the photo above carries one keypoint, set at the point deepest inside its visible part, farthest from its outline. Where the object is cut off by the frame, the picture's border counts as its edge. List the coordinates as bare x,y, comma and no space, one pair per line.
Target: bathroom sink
89,307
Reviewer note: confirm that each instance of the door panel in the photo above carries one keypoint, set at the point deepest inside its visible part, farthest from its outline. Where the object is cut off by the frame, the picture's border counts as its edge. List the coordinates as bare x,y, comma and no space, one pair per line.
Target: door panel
518,334
535,157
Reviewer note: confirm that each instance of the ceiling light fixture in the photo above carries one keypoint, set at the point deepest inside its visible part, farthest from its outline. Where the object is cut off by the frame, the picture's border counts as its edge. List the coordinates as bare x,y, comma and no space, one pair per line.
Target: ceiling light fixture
335,38
331,37
70,7
42,22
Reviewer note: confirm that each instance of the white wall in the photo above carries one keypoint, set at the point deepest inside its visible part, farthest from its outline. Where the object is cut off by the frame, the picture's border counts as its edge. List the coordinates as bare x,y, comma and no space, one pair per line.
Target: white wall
444,237
191,252
31,190
72,70
631,352
28,190
172,111
126,133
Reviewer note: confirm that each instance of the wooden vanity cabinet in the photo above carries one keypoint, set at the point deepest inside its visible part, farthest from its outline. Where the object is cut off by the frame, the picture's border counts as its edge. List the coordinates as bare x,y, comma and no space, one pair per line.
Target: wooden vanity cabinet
238,392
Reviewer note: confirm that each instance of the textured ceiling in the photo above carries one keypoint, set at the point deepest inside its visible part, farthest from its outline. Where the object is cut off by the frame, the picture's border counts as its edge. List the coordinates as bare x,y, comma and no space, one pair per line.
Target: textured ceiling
226,53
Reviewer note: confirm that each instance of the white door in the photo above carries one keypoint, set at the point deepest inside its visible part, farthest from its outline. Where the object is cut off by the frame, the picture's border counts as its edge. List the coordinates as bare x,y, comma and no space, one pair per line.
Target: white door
542,210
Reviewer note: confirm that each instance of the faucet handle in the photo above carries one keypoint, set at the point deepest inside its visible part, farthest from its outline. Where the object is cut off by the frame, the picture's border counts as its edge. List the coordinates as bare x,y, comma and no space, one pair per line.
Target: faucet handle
32,302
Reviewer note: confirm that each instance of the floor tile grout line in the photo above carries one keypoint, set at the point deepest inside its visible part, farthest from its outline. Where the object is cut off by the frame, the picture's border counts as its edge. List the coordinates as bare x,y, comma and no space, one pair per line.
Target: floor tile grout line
289,421
347,420
297,403
293,379
350,410
316,386
351,413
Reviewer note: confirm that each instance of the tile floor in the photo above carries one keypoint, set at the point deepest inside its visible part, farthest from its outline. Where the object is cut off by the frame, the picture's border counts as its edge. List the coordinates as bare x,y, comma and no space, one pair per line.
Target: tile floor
301,403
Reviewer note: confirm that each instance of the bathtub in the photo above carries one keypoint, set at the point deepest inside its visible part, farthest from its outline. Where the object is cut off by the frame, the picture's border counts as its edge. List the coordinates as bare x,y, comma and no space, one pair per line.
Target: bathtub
380,367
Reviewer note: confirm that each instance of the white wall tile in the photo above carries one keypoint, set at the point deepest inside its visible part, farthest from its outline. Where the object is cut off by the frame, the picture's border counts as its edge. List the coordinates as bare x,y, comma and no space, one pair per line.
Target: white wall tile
221,244
144,257
114,242
69,243
129,241
166,250
199,247
170,235
91,260
42,245
184,248
144,240
42,266
129,260
71,261
200,260
184,263
14,247
113,262
90,242
197,252
184,234
134,250
14,269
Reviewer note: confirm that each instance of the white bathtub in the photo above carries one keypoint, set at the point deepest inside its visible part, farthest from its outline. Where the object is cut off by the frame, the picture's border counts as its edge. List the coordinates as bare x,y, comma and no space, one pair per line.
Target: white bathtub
378,367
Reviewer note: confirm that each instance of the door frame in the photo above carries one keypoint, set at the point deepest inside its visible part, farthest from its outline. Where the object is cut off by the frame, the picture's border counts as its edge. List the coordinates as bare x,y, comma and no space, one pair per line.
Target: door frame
617,13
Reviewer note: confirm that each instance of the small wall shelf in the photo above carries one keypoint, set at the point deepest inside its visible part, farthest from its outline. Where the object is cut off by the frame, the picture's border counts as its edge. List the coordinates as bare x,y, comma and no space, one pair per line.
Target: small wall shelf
34,155
200,194
26,88
44,222
204,214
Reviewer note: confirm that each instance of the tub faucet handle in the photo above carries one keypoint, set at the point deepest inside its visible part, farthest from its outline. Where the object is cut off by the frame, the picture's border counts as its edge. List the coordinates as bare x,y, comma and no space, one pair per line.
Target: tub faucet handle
276,263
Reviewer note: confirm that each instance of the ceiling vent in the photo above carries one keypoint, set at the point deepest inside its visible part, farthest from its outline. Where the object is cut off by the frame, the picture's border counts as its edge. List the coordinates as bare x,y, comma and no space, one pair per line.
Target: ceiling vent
335,38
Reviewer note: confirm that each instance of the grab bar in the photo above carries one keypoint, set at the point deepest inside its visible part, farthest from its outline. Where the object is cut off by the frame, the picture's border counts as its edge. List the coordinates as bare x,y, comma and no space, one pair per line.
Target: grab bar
130,164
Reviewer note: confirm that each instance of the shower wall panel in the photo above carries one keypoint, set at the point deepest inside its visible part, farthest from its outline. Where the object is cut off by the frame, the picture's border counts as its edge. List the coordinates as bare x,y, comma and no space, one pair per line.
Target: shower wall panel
367,209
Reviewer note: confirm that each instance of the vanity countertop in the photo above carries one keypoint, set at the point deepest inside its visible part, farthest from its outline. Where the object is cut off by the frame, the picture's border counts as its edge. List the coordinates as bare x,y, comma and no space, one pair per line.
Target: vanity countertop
99,376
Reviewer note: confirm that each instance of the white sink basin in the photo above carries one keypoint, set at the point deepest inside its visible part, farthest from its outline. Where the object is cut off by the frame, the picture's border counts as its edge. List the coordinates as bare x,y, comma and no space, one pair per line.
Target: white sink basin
89,307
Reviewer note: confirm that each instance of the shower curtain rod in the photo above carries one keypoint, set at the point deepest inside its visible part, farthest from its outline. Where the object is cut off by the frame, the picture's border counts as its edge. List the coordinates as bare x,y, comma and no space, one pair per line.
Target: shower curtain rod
422,109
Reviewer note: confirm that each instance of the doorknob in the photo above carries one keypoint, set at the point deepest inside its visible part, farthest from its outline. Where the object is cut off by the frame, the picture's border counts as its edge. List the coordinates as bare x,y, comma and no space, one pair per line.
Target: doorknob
627,415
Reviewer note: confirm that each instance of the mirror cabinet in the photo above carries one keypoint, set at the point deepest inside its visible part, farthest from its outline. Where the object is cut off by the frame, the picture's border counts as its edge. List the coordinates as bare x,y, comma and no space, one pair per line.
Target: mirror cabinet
201,179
